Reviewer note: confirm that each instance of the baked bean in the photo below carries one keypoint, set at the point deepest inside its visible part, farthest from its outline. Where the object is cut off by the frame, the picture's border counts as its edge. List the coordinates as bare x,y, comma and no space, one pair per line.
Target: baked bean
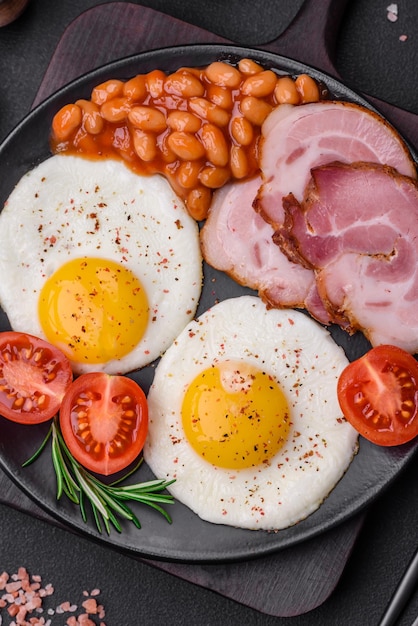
249,67
107,90
242,130
215,144
183,120
145,145
214,177
167,154
183,84
92,120
285,91
209,111
255,110
239,162
155,83
147,118
260,85
198,202
307,88
188,174
136,89
122,141
115,110
223,74
66,121
186,146
198,127
220,96
196,71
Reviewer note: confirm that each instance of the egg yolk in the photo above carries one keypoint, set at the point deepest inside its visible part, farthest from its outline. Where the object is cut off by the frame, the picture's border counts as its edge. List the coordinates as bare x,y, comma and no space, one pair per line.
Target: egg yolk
93,309
235,415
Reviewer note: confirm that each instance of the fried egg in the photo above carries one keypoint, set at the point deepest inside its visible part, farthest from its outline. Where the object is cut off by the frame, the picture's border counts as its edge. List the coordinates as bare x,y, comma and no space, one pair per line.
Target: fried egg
243,414
101,262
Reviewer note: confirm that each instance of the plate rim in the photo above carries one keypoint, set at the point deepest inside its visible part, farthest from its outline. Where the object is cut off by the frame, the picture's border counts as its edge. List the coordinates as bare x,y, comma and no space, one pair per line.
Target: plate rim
221,51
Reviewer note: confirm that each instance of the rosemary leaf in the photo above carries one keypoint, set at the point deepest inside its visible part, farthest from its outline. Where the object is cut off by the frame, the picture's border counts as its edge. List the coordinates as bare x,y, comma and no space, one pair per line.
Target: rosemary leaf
146,498
115,522
128,474
91,494
58,471
65,481
83,510
40,449
113,503
107,501
147,487
160,509
97,519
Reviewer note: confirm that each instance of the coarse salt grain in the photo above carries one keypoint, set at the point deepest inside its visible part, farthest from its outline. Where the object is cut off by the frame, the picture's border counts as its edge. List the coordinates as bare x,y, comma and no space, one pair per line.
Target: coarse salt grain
90,605
24,595
392,12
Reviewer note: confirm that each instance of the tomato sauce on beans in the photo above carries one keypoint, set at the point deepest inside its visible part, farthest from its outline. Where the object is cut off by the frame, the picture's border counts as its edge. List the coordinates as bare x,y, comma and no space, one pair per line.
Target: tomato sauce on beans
199,127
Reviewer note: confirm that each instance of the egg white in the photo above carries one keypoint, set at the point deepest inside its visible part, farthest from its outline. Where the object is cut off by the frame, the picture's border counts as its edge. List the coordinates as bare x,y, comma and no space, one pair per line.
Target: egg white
69,207
303,357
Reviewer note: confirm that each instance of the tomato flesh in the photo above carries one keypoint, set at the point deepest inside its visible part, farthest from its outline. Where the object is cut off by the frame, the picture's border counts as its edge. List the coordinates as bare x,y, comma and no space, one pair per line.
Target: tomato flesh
378,395
104,421
34,376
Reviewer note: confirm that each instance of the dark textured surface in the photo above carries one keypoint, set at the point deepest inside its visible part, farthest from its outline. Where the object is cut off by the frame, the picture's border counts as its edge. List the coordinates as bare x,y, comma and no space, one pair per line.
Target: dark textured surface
371,58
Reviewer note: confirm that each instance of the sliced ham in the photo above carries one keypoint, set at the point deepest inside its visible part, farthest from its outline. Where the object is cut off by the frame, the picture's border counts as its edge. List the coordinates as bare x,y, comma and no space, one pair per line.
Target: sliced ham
238,241
357,228
296,139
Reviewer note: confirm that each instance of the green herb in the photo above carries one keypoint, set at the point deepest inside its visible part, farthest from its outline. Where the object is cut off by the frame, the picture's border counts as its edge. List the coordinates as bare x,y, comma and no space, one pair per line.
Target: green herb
108,502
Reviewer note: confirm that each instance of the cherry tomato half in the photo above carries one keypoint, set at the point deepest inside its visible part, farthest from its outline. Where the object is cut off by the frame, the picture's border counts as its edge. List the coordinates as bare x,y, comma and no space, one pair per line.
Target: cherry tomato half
104,421
378,395
34,376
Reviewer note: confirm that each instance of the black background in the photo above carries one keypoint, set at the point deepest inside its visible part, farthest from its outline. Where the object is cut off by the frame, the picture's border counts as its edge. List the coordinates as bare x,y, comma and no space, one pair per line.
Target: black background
372,59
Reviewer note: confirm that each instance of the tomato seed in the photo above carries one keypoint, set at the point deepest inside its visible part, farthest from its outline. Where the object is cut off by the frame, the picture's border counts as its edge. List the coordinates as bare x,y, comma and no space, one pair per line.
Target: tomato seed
28,405
37,356
41,400
27,353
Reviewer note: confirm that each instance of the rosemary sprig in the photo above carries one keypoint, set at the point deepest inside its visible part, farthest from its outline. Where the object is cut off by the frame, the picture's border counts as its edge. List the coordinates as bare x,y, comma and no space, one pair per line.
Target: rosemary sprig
107,501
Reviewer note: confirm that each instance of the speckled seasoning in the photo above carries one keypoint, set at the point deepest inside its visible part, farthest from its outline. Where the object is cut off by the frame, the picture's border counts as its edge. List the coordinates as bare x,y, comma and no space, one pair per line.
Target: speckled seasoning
243,413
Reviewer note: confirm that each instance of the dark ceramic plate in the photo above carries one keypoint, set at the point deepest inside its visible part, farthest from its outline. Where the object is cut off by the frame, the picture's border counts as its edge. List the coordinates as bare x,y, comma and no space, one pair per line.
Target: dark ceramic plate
188,538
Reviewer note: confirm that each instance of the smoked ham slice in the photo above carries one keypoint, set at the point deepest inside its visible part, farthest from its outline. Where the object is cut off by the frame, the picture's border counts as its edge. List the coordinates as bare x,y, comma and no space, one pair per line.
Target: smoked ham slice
357,228
236,240
296,139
